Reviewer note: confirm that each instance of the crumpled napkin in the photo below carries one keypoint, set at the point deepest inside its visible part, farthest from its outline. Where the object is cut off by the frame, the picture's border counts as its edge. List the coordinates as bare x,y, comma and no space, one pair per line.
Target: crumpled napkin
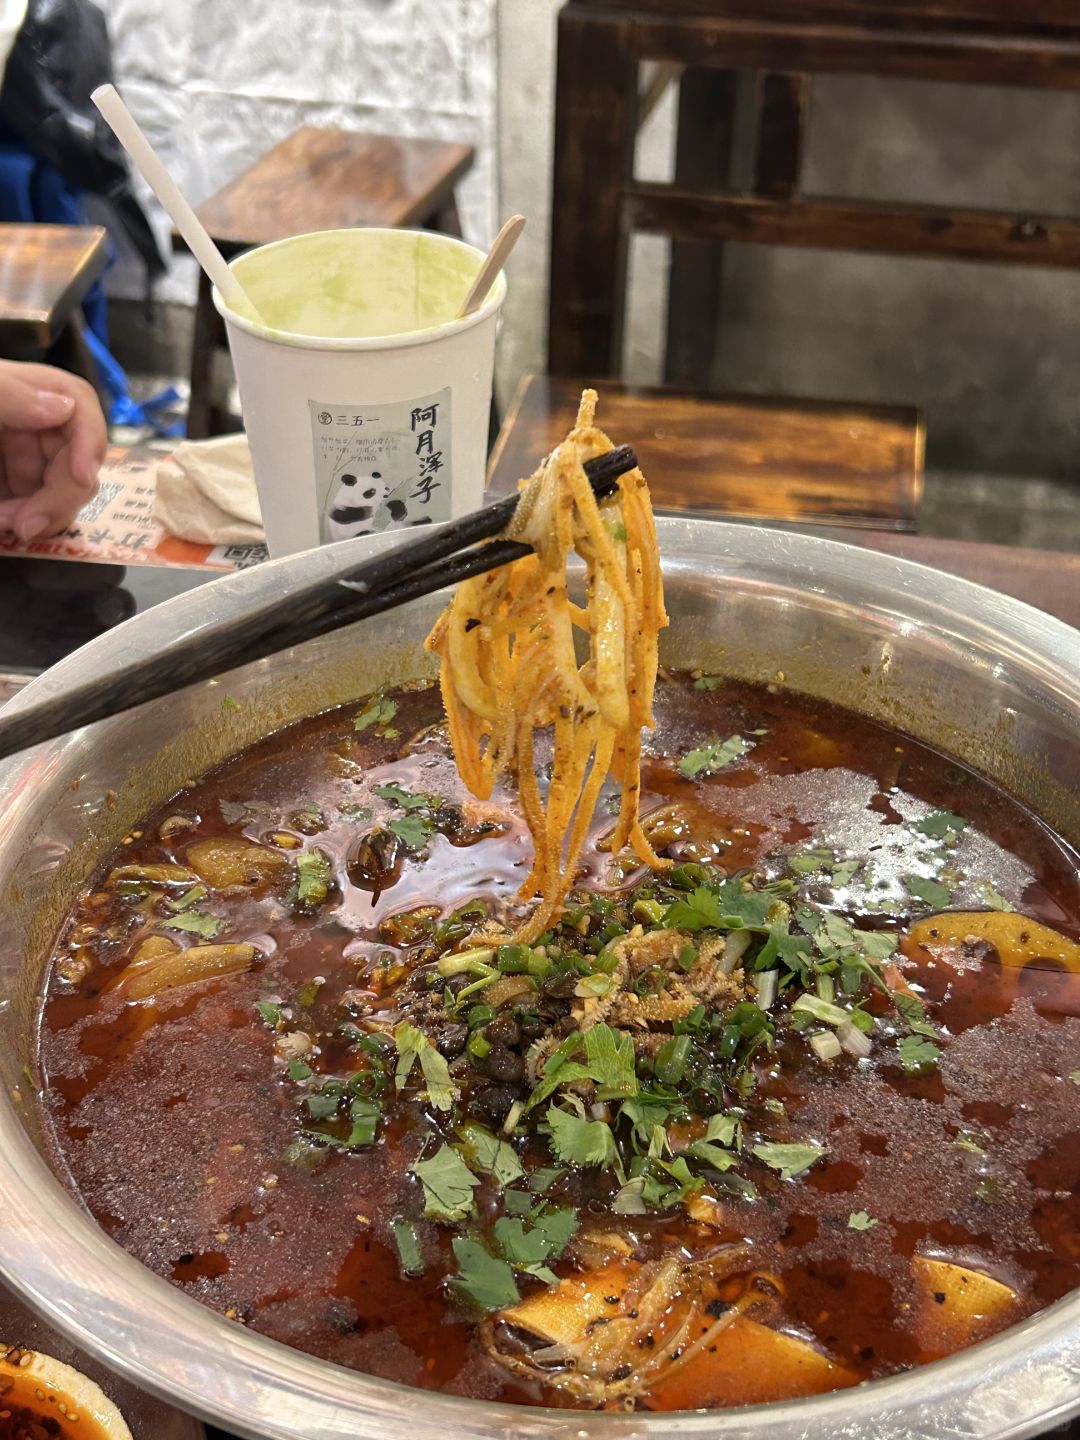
206,493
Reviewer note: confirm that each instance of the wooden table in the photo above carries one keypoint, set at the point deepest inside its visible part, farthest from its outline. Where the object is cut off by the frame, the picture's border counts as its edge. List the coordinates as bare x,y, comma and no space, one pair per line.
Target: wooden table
45,270
818,463
674,458
321,179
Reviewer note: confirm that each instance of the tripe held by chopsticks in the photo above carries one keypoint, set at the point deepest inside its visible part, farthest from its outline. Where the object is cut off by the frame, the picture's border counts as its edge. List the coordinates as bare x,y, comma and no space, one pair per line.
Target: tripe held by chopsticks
198,241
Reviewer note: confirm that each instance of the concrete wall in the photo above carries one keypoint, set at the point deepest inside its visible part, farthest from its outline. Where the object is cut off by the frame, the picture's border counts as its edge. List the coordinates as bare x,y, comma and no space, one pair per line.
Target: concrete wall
992,353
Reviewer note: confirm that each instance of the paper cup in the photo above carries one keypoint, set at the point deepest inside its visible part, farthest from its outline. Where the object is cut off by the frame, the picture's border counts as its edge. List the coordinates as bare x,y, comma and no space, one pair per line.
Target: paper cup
365,402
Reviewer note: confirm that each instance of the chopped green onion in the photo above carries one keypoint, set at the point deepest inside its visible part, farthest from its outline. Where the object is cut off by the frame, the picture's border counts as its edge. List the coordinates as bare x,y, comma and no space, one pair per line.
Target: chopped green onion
513,959
463,963
825,1045
479,1046
481,984
670,1064
687,957
766,984
853,1040
408,1246
825,987
823,1010
649,912
736,944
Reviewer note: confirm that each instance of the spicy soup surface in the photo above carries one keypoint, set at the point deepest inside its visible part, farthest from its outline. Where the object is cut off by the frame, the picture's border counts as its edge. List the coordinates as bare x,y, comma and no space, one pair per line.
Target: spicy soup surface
821,1119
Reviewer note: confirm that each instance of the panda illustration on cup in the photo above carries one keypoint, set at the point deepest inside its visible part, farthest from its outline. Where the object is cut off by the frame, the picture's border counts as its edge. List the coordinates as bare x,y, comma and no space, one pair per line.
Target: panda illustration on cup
363,505
354,502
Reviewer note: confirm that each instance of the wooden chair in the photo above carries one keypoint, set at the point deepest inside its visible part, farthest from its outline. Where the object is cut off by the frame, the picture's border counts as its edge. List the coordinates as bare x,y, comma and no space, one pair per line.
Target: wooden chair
599,203
317,179
813,462
45,272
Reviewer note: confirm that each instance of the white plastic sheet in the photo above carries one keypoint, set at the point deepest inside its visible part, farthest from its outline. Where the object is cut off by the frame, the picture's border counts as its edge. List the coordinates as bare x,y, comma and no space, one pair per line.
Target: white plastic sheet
215,85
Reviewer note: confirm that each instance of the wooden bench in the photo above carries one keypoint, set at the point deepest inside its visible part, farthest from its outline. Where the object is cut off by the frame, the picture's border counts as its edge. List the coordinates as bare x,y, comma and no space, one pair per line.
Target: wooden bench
817,463
45,272
318,179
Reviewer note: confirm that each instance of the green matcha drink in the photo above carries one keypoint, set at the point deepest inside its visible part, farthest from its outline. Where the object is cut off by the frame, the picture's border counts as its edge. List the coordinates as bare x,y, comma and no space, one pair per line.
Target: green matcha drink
365,400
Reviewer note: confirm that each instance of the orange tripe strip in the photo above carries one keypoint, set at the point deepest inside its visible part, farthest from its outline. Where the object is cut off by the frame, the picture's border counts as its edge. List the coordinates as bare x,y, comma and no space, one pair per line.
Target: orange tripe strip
509,663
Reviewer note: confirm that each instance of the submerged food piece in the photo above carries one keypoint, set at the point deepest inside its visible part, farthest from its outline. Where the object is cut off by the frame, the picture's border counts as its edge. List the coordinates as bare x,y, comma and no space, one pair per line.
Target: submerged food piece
159,966
956,1306
1017,938
44,1399
746,1363
222,863
509,667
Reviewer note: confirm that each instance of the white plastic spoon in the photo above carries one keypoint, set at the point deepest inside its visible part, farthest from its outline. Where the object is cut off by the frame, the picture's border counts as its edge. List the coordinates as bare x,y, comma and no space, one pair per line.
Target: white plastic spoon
126,129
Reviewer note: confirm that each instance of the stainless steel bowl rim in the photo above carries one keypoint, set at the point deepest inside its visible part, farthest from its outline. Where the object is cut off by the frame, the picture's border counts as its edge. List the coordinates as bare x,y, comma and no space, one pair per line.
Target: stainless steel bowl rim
1025,1380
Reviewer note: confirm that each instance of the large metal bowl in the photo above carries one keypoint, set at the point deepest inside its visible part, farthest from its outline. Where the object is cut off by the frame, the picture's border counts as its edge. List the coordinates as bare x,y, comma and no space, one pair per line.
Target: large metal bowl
984,678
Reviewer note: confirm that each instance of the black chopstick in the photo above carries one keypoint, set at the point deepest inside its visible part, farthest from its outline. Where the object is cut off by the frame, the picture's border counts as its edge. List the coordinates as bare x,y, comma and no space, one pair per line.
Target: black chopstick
420,566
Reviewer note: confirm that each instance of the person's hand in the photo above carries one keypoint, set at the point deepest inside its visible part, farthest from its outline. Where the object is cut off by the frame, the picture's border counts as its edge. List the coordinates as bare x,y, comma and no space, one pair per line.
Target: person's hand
52,443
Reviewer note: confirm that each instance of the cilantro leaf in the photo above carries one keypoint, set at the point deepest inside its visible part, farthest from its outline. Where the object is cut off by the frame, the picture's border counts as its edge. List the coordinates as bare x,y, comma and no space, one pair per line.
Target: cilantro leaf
521,1248
609,1063
992,898
321,1106
412,1045
490,1155
408,1246
913,1013
940,825
721,1131
860,1220
448,1185
194,921
557,1225
876,944
364,1114
405,798
483,1277
313,876
578,1141
928,891
190,897
714,756
790,1160
791,950
414,830
809,862
610,1060
543,1178
727,906
1074,1076
378,711
269,1011
917,1054
531,1249
708,682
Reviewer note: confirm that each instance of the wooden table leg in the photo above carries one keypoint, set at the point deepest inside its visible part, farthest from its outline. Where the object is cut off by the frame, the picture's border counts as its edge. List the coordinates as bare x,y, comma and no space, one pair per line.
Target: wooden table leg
70,352
595,111
208,335
447,220
782,105
703,162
